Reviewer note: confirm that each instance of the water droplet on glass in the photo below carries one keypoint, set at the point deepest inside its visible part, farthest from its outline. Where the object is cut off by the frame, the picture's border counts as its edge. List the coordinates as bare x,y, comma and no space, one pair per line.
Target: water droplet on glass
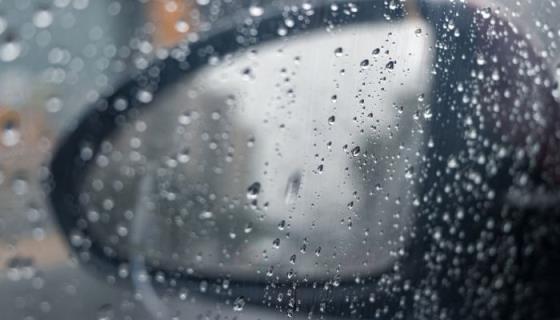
105,312
364,64
376,51
184,156
20,267
256,11
293,259
480,60
144,96
270,271
486,13
10,134
331,119
318,251
390,65
247,74
428,112
206,215
182,26
409,173
452,163
10,50
276,243
253,191
248,228
42,18
338,51
356,151
185,118
239,304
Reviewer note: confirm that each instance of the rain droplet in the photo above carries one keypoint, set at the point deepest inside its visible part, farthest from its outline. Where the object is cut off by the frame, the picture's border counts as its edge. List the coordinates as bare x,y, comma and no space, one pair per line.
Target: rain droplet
256,11
338,51
10,50
105,312
270,271
356,151
20,267
42,18
276,243
409,173
185,118
184,156
182,26
376,51
486,13
248,228
390,65
318,251
206,215
452,163
331,119
428,112
10,134
480,60
239,304
293,259
144,96
364,64
247,74
253,191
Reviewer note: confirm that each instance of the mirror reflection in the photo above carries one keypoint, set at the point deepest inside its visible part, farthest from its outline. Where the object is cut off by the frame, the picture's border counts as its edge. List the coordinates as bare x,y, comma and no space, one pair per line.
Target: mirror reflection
296,158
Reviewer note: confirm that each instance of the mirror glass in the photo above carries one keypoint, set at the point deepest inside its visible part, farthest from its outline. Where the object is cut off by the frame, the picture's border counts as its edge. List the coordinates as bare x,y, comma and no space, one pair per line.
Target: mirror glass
295,158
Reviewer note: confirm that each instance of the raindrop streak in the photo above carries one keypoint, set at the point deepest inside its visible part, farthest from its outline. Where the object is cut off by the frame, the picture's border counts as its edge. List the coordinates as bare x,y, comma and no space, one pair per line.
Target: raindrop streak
292,188
3,25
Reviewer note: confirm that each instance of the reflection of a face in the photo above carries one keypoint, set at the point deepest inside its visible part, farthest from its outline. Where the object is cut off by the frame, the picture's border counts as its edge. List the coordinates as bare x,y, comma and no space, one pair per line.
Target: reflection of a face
299,149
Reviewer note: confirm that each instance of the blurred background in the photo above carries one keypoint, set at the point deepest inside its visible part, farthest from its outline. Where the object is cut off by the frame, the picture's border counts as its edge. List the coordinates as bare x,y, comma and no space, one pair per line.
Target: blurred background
56,58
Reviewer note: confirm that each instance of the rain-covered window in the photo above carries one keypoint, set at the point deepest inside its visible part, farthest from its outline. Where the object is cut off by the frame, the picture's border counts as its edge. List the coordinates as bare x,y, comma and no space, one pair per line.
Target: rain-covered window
240,159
